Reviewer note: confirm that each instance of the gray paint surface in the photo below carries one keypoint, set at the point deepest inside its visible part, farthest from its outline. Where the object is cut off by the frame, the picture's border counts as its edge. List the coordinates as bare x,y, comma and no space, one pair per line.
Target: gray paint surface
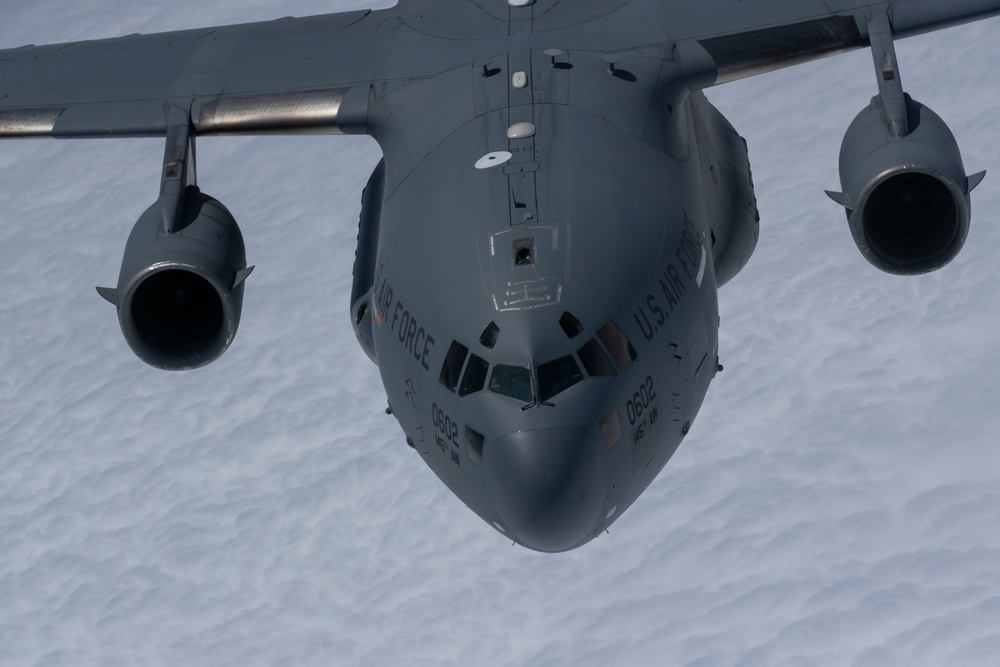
833,224
625,200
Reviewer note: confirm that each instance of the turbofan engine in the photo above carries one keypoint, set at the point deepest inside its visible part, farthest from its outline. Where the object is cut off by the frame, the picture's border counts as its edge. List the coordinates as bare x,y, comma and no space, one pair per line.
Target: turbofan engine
180,292
907,197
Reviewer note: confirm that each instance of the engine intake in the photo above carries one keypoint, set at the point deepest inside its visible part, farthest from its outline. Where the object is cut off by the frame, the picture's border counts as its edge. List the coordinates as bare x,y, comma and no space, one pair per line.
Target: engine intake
180,294
907,199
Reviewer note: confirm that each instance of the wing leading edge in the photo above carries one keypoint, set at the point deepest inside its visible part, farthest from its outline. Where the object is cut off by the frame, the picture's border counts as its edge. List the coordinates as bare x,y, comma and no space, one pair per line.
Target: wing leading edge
308,75
313,75
750,39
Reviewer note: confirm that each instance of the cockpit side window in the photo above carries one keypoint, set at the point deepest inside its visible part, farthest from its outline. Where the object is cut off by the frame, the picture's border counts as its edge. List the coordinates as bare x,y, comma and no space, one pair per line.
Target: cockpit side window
452,369
475,376
513,381
618,345
595,360
490,335
570,325
557,376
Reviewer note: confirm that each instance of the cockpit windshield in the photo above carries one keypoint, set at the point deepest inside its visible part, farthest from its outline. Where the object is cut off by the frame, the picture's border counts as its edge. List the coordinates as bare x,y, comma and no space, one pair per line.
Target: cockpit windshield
537,384
556,376
513,381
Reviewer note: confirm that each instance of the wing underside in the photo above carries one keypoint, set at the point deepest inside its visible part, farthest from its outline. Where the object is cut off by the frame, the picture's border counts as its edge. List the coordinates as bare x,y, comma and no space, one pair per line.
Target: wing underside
744,39
287,76
314,74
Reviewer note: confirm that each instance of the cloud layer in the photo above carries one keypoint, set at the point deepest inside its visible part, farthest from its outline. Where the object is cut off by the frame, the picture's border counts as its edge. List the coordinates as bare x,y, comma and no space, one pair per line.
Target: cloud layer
837,502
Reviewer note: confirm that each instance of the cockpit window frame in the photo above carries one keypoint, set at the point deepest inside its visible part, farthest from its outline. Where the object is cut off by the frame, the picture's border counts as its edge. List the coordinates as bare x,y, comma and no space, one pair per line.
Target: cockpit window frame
595,360
474,378
451,369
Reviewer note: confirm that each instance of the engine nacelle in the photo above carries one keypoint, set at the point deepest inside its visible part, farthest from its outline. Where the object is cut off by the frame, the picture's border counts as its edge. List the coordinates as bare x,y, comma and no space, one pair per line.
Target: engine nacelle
180,294
907,198
365,256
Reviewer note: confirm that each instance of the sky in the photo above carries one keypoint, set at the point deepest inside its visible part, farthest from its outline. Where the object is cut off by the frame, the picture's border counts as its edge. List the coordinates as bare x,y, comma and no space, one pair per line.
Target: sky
836,503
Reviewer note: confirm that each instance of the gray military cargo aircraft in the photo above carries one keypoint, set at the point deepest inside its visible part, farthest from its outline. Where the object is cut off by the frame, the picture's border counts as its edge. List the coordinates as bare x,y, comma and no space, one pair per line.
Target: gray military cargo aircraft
540,249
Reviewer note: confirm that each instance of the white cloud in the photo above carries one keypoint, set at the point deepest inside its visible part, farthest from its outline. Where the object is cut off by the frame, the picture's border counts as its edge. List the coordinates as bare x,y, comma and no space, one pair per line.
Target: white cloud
836,502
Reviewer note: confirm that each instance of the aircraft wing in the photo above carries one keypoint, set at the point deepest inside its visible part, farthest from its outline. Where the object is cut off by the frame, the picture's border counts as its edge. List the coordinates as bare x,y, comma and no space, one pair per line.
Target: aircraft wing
308,75
747,38
313,75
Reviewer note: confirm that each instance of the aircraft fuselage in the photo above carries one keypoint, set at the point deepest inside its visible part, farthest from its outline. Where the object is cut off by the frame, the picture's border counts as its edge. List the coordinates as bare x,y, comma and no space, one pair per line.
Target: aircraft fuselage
542,304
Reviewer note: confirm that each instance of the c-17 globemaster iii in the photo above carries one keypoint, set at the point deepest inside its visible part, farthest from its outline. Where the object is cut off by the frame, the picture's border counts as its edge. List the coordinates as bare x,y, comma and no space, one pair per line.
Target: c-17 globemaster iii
540,249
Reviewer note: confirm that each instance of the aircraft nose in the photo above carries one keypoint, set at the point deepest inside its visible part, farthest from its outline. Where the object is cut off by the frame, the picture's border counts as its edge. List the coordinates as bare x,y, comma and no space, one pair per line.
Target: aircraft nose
548,486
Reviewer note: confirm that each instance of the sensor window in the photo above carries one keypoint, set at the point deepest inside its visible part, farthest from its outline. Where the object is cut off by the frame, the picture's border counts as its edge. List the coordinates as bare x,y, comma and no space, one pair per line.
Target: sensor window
524,252
611,427
474,445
